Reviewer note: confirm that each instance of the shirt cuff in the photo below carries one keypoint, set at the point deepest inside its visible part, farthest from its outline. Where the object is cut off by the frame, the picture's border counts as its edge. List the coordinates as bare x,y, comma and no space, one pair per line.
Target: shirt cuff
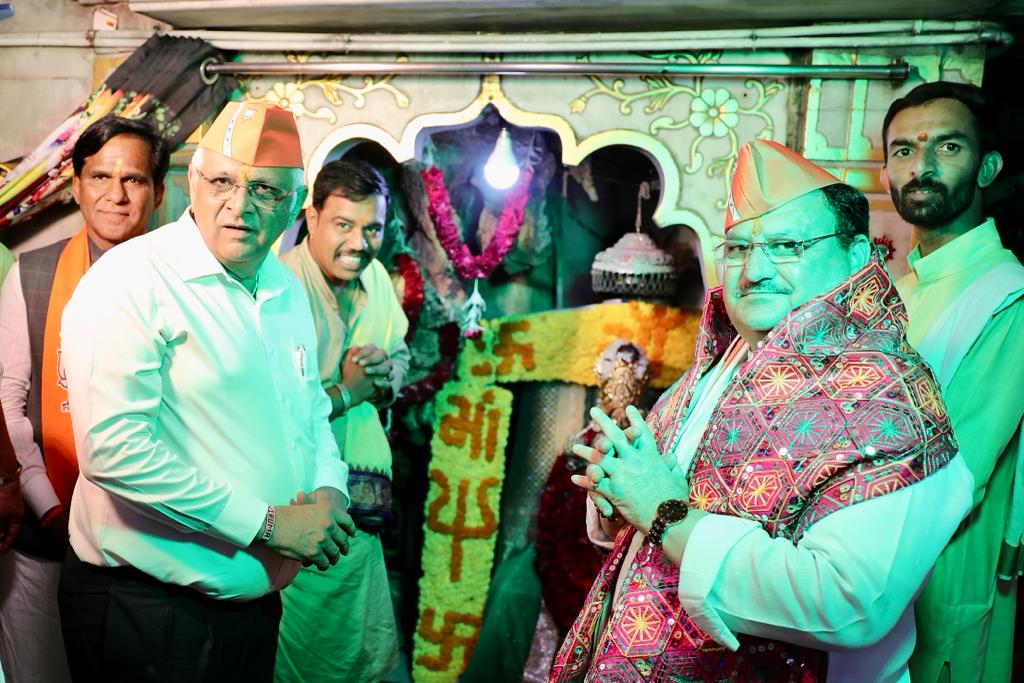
710,541
241,519
333,474
38,492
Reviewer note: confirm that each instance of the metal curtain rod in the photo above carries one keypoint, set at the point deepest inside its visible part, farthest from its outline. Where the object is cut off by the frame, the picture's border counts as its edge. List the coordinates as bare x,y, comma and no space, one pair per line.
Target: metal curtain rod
896,71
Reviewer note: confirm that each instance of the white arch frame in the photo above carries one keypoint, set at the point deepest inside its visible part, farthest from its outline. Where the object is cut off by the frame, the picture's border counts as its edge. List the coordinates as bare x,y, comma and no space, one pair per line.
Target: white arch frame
574,151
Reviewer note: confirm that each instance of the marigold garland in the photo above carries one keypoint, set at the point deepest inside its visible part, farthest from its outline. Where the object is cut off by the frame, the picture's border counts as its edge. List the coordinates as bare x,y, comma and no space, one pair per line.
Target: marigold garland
562,345
471,424
466,264
467,469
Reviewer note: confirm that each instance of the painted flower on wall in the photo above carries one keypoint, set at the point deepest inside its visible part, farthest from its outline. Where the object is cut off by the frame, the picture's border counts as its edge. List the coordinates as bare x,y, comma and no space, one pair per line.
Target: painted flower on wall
288,95
291,94
714,112
708,111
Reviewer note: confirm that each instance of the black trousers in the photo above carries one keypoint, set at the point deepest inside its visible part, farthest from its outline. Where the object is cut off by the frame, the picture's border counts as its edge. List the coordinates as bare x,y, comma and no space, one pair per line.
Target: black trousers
120,624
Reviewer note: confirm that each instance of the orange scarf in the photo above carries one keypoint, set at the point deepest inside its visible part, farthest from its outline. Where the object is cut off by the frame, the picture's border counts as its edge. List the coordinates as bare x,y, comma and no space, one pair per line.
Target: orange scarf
58,438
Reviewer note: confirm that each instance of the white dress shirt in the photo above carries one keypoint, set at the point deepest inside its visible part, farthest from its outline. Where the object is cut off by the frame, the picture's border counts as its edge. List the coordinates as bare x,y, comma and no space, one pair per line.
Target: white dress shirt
15,380
847,587
194,406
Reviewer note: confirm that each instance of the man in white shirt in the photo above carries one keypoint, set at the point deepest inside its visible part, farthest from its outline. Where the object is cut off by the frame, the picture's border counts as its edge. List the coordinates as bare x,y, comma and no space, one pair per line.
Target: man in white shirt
119,166
796,485
198,414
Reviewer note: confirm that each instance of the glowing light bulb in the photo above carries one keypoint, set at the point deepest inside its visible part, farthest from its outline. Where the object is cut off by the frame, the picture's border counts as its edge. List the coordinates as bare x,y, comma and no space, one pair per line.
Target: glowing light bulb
501,169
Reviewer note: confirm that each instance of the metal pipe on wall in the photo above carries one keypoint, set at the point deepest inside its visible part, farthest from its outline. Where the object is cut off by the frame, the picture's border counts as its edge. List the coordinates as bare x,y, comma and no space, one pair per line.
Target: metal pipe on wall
888,34
896,71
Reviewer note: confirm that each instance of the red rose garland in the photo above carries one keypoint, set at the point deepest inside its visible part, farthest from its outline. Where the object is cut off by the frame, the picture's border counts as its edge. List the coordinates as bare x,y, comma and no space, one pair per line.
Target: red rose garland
447,334
566,561
412,291
466,264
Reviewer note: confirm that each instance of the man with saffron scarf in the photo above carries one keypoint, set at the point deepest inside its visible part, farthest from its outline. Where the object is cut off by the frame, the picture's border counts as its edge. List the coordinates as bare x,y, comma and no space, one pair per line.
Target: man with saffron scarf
341,624
965,300
793,489
119,166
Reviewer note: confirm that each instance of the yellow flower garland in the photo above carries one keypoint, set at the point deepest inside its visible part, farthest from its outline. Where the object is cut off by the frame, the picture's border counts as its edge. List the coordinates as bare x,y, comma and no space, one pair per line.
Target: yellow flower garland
467,467
563,345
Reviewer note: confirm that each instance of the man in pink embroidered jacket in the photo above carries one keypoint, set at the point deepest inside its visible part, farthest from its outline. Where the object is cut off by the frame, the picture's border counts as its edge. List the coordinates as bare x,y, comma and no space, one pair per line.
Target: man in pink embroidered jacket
785,501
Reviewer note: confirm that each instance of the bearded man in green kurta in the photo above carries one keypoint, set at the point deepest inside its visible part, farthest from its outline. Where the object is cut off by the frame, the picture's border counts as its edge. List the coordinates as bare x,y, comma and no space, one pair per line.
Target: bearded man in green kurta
965,299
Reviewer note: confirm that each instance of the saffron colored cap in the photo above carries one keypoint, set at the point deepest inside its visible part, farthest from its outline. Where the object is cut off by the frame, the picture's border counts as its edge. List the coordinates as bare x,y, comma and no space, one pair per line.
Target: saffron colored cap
255,134
768,175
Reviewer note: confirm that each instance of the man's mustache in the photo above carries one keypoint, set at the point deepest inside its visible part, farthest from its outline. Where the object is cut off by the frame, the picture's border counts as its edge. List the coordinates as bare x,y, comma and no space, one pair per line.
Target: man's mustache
763,289
924,184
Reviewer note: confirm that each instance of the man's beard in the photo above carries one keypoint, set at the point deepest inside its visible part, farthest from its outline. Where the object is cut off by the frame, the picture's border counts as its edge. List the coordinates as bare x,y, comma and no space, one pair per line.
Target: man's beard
939,209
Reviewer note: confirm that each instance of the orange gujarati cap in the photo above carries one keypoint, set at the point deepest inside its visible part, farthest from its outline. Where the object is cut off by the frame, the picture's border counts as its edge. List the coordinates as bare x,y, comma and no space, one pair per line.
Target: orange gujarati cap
255,134
768,175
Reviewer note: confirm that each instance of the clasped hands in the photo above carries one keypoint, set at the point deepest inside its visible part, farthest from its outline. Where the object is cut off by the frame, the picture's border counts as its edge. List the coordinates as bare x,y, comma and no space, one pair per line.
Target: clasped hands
366,373
626,473
314,529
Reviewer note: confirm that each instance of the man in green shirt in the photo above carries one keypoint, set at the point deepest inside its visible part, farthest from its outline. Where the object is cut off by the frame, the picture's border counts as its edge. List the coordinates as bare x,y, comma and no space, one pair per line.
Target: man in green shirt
965,298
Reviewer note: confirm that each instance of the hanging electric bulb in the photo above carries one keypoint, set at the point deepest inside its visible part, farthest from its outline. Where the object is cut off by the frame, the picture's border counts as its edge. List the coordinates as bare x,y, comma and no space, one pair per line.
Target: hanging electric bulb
501,169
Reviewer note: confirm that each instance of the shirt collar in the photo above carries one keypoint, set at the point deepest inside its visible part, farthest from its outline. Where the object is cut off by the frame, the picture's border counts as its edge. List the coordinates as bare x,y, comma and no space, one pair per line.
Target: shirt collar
957,255
188,254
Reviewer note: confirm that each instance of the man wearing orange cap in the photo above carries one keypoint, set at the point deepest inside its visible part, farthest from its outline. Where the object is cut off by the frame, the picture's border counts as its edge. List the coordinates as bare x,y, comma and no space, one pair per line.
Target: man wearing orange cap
776,515
198,414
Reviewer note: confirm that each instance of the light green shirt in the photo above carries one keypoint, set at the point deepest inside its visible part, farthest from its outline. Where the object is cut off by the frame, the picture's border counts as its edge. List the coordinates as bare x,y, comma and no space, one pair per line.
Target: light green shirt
195,405
962,618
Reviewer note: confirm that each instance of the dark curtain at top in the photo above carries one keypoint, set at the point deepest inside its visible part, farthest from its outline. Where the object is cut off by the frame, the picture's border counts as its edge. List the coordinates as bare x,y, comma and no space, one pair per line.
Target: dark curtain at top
160,83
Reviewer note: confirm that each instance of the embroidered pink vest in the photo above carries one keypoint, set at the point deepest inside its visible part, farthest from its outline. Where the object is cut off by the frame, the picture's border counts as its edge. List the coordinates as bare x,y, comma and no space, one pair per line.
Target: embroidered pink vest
832,408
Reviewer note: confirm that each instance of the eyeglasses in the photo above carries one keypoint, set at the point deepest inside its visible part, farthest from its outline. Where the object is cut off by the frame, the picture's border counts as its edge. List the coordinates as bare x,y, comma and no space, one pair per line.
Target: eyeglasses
263,195
734,253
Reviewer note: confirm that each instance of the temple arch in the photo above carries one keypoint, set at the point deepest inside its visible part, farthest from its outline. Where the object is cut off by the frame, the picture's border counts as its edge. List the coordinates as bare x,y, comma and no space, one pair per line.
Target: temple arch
669,211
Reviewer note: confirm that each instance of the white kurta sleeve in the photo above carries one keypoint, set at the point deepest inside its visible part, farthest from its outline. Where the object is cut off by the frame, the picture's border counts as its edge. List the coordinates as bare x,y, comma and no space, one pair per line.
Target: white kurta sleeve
844,585
15,380
114,342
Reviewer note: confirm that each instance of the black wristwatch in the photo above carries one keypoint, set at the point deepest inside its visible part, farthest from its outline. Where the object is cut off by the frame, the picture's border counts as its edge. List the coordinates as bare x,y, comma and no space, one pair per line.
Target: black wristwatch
670,512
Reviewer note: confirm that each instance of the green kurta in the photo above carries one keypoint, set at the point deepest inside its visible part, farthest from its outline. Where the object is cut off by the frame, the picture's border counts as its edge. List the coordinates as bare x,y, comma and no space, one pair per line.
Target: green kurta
964,615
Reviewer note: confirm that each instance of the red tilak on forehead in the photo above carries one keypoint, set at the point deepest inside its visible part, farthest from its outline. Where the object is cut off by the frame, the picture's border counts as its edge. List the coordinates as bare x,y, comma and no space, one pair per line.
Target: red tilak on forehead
922,137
